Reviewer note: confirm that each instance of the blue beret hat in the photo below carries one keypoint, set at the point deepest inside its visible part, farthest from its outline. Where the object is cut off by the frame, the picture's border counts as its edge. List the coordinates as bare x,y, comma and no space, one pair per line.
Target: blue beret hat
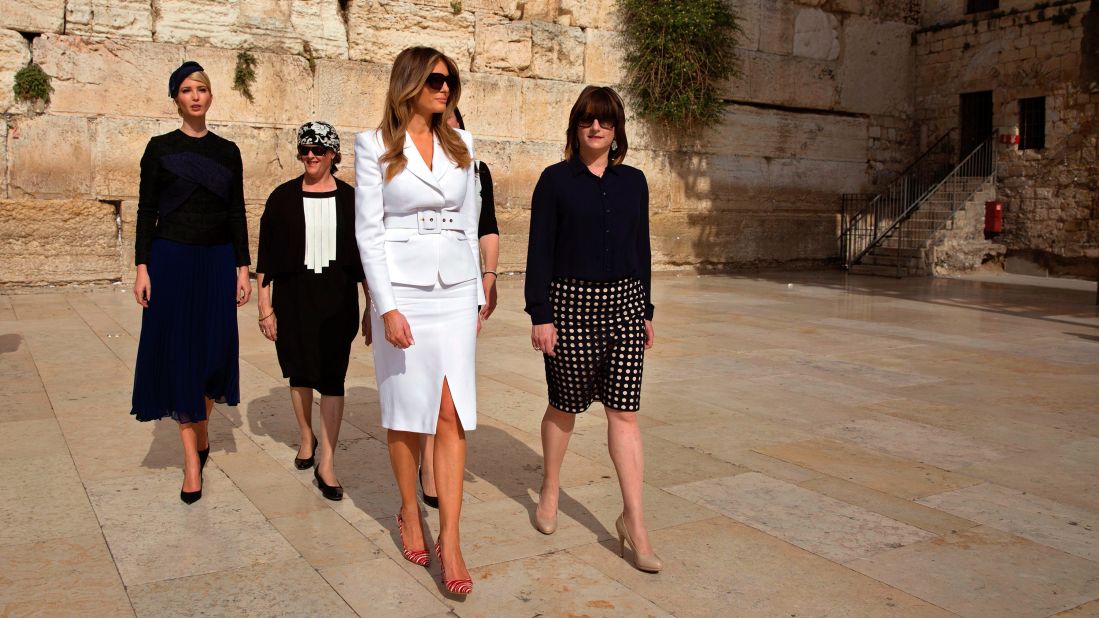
183,72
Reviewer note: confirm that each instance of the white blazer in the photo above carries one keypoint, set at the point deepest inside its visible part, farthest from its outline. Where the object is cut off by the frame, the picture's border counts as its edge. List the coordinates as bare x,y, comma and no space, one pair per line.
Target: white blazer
401,254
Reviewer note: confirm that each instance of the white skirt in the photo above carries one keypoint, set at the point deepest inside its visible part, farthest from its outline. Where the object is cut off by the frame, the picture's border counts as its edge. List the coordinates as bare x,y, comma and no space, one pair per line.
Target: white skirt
443,319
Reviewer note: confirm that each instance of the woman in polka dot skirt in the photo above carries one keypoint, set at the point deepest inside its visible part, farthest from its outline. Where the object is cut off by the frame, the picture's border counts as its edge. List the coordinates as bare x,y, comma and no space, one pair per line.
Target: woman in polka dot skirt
588,296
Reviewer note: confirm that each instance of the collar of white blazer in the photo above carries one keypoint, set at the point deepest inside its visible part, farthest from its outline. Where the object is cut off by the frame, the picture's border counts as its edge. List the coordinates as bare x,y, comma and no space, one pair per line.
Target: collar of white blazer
441,165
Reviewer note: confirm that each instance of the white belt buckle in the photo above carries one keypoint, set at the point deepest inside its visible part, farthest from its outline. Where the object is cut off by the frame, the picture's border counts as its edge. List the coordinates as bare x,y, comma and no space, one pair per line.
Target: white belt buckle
429,222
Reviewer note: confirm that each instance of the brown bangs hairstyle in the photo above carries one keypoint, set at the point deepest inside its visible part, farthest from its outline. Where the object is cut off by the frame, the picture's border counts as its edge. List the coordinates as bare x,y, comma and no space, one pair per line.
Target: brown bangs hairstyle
600,103
406,80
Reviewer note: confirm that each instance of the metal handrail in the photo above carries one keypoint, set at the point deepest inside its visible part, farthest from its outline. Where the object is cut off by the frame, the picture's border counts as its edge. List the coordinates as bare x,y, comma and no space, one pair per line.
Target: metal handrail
902,179
864,227
980,163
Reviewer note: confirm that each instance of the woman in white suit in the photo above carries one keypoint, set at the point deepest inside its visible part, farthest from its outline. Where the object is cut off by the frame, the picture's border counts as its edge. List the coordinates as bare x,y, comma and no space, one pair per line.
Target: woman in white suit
416,226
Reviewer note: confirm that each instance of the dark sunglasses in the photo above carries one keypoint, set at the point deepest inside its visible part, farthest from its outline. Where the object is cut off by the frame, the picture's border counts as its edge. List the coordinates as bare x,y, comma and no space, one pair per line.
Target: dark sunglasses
318,151
605,123
435,81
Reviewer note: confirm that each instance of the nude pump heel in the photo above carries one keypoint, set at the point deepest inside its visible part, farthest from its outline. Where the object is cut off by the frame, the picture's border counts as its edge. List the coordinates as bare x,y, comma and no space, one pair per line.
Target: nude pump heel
650,563
546,525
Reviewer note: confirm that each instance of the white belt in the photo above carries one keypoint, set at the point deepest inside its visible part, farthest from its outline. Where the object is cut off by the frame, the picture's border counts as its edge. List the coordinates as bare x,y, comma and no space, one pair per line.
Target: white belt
426,221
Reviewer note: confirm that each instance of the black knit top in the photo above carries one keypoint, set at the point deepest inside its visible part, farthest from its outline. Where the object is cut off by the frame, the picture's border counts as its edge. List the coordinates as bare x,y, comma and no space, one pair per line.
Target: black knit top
192,191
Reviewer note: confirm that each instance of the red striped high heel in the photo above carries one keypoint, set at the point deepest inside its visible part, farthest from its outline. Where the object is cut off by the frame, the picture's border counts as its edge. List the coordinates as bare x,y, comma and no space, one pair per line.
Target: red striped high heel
453,586
415,556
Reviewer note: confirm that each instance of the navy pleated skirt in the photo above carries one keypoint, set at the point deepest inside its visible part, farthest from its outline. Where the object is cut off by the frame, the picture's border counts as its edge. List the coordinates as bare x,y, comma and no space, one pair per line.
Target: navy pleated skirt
189,347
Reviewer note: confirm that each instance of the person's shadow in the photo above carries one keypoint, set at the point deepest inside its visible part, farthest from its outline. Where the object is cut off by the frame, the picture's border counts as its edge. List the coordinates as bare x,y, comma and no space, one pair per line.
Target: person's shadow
522,479
165,451
10,342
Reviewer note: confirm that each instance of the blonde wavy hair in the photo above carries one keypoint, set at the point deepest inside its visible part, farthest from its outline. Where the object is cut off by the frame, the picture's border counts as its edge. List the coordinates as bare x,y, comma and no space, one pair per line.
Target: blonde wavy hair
200,77
406,80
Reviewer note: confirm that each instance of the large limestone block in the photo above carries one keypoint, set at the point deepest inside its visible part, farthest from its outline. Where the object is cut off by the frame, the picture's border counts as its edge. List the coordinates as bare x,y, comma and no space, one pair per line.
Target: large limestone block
127,221
351,94
269,156
716,239
788,80
282,91
598,14
116,153
749,130
876,76
776,26
604,58
516,167
132,19
14,55
512,9
322,25
748,18
3,158
50,156
941,12
111,77
380,29
541,10
558,52
277,26
816,35
33,15
503,46
546,106
57,241
493,107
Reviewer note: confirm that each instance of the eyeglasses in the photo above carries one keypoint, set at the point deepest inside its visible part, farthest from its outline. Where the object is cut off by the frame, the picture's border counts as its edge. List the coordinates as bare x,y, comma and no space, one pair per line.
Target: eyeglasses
605,123
435,81
318,151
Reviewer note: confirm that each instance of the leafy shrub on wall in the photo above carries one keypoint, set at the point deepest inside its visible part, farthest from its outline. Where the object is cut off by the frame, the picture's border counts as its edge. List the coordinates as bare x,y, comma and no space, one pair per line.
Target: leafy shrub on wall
677,54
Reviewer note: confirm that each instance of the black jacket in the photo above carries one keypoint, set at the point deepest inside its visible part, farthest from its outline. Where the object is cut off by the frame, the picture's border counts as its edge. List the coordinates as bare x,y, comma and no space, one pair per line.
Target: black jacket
282,232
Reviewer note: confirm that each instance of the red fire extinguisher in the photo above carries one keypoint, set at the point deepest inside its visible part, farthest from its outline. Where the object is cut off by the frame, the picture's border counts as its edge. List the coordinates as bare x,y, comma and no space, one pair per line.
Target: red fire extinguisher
994,218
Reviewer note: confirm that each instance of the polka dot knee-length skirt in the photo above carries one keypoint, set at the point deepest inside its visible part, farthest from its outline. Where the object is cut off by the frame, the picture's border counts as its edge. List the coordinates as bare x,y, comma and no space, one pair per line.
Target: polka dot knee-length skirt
600,349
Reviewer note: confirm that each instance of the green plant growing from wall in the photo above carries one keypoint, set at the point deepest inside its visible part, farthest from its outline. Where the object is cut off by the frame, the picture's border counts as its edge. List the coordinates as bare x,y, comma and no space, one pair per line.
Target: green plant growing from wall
456,7
245,75
32,84
677,54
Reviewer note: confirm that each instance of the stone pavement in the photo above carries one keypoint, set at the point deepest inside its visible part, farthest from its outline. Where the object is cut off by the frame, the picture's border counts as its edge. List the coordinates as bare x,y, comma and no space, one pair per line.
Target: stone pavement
816,445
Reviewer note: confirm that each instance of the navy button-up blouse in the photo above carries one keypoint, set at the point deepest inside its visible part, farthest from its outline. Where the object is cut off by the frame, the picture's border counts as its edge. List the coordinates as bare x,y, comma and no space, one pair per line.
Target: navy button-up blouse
589,228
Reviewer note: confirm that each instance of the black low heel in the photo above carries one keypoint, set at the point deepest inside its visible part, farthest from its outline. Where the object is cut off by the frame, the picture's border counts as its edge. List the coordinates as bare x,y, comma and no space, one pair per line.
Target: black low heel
305,464
332,492
432,501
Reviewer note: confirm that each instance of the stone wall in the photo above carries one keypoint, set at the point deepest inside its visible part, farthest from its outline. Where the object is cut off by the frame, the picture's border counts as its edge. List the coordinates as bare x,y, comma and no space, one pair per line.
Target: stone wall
823,106
1051,195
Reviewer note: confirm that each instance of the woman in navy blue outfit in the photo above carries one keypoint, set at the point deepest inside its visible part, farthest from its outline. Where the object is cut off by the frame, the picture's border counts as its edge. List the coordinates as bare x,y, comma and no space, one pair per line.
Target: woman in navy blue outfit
192,273
588,294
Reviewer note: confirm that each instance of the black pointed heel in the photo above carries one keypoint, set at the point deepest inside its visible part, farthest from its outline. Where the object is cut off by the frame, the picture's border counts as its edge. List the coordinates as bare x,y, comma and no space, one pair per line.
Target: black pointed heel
332,492
203,455
191,497
432,501
305,464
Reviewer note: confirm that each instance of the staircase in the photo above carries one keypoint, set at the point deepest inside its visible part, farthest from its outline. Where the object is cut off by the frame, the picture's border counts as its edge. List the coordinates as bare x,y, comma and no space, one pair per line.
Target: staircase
888,235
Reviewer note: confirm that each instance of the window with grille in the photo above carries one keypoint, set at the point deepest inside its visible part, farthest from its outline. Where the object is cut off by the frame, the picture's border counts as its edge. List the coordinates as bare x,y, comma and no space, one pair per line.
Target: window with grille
976,6
1032,123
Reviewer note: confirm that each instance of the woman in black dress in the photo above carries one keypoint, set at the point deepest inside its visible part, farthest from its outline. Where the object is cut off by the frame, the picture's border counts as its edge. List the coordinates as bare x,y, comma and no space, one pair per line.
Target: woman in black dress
588,295
192,250
308,254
